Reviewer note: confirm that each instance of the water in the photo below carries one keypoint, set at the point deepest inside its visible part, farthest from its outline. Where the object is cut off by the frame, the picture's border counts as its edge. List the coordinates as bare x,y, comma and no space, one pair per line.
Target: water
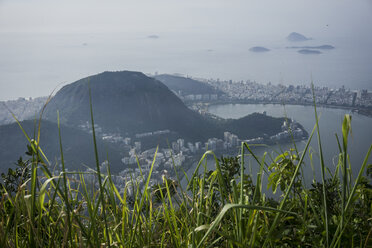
330,123
33,64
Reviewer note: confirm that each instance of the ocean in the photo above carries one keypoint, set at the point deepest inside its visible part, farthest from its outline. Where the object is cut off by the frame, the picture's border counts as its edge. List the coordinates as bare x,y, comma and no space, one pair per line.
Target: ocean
34,64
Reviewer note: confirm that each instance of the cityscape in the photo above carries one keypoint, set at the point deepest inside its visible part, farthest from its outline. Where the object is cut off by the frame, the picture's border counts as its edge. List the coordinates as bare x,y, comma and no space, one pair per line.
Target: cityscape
359,100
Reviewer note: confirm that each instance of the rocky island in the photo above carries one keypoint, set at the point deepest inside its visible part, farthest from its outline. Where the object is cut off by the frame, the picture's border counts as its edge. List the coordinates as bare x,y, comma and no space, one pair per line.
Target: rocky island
309,51
297,37
259,49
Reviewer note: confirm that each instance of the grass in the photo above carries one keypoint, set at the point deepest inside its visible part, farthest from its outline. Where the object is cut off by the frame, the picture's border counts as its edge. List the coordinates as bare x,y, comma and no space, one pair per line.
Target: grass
224,207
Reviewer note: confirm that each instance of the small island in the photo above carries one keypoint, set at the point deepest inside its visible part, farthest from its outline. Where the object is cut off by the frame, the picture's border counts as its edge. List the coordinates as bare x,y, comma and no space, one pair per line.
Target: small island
153,36
259,49
297,37
309,51
322,47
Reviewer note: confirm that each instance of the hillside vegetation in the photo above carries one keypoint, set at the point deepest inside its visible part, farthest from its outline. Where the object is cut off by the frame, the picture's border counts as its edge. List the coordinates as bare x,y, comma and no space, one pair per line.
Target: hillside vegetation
225,207
78,151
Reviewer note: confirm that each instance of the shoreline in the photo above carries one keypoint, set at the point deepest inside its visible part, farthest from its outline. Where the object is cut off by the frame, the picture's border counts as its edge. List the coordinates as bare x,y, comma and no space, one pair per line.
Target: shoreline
361,111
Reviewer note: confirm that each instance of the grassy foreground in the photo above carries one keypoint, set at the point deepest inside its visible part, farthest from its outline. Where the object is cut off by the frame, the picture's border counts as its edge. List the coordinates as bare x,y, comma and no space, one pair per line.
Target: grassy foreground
225,207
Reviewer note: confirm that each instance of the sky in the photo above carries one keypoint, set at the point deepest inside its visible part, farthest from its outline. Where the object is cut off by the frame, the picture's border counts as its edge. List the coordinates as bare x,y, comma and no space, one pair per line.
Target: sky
46,44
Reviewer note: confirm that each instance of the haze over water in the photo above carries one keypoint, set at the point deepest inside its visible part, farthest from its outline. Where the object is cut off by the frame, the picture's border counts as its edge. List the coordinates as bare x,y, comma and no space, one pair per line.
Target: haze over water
44,44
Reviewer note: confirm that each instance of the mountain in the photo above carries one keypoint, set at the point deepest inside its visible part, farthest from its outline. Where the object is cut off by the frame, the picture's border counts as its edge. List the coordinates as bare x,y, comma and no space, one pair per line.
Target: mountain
77,146
296,37
259,49
127,103
186,86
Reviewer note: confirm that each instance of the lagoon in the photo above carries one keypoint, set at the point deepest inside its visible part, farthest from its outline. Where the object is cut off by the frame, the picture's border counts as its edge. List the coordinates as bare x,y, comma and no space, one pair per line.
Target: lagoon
329,124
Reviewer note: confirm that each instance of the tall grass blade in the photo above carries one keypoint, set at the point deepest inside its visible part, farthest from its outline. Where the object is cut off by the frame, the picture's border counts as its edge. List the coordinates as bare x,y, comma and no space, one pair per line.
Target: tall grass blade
322,170
228,207
273,225
102,192
64,177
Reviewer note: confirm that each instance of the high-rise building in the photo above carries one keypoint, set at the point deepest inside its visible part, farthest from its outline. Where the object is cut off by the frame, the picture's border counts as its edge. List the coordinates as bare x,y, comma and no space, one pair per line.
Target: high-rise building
137,146
127,141
226,136
175,147
198,146
181,143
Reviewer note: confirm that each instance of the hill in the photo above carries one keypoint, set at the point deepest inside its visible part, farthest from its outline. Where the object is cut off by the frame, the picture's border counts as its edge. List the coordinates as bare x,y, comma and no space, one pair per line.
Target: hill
259,125
77,146
128,103
186,86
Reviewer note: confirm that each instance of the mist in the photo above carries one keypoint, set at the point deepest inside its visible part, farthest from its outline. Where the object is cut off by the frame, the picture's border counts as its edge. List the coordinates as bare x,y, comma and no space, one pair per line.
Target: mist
46,44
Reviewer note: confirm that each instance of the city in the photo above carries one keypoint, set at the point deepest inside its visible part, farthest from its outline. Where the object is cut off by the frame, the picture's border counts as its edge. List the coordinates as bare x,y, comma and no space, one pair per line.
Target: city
252,92
179,156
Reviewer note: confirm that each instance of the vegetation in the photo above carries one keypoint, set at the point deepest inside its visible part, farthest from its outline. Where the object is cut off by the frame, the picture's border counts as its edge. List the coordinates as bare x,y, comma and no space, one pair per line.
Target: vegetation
77,145
225,207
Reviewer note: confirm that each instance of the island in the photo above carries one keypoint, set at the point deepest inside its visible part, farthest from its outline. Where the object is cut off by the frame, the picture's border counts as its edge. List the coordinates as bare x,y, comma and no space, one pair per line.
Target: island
309,51
322,47
259,49
297,37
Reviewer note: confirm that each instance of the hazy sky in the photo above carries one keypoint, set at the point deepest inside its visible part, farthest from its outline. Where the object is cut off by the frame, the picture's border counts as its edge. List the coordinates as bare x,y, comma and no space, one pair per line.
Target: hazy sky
46,43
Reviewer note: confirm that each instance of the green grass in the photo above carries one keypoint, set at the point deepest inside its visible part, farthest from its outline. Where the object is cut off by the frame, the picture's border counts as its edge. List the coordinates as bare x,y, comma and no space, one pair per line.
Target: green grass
224,207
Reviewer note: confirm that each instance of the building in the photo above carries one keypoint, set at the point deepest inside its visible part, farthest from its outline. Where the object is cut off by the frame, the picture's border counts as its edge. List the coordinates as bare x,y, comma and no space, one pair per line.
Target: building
181,143
137,146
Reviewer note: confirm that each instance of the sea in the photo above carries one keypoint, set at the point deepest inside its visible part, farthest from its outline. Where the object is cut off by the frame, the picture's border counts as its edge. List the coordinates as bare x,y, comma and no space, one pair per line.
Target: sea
35,64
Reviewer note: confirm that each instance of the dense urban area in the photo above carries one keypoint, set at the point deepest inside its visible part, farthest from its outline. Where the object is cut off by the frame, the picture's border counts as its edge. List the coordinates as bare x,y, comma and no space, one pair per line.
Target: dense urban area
252,92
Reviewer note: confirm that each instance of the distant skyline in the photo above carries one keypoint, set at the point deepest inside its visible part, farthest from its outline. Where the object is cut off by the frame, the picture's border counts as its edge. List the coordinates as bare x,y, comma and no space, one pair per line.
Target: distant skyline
45,44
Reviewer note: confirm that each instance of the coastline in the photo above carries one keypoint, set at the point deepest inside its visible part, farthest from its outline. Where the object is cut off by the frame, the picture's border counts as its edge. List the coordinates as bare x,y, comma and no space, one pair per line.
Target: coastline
205,105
